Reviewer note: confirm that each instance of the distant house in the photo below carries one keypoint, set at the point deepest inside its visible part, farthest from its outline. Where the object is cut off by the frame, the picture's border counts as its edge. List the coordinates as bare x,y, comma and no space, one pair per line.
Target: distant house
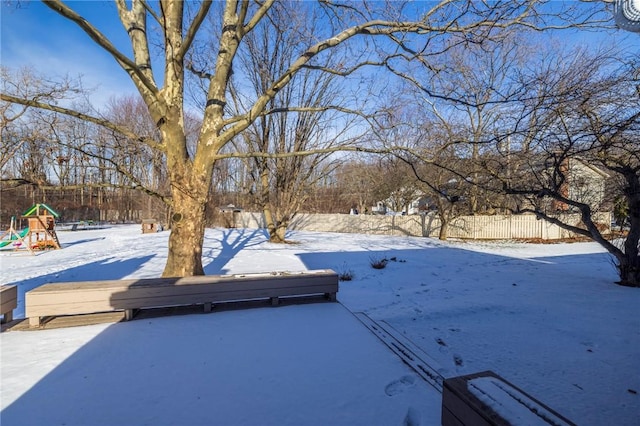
230,215
422,204
585,183
379,208
417,203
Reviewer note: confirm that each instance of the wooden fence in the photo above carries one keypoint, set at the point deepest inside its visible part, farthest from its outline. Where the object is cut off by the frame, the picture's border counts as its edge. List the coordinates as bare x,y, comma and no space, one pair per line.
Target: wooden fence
498,227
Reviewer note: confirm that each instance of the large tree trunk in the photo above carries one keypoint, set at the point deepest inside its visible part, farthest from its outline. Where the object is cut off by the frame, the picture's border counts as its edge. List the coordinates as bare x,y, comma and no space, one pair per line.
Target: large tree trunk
269,220
277,229
190,183
629,270
187,236
279,232
446,214
629,263
189,199
444,229
270,223
627,254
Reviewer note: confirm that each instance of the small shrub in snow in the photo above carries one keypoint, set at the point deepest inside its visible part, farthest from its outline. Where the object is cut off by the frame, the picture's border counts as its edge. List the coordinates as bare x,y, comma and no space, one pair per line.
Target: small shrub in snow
345,274
377,263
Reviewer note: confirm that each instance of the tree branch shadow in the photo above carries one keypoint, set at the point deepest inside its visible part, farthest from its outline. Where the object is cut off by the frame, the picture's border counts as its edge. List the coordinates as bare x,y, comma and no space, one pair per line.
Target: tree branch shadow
232,242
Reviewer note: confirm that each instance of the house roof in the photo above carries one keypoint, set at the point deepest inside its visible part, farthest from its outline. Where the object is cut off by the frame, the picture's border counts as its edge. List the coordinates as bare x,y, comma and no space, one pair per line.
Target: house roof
591,167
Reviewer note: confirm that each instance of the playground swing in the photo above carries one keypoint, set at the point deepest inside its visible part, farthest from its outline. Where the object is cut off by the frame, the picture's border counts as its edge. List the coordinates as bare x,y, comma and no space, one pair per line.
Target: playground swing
15,238
39,235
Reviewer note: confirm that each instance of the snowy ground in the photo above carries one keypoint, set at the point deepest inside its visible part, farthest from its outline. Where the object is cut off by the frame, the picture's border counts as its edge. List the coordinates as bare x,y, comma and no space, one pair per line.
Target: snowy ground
548,318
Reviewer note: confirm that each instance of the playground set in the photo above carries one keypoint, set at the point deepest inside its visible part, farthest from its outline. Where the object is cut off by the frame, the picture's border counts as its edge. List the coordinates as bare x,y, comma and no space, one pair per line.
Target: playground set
40,233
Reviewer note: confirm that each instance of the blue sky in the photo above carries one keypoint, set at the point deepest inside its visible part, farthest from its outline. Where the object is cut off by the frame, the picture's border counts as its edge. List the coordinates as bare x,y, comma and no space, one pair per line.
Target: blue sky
33,35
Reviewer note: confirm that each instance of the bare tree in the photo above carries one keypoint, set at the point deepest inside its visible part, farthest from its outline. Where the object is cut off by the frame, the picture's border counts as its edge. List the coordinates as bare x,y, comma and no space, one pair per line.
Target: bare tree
398,31
582,119
436,154
444,174
28,84
284,184
458,106
358,182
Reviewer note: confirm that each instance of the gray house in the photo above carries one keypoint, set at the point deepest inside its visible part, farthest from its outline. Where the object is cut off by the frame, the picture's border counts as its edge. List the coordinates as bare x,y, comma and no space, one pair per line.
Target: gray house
585,183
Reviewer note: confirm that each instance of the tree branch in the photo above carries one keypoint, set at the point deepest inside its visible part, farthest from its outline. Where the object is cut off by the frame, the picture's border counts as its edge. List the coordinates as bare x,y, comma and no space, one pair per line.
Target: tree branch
305,153
257,17
137,75
85,117
193,29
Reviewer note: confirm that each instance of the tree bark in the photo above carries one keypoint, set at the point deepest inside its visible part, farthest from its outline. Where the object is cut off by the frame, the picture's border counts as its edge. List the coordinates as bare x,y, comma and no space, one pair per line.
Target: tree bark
629,264
629,271
280,232
186,237
266,205
190,183
444,229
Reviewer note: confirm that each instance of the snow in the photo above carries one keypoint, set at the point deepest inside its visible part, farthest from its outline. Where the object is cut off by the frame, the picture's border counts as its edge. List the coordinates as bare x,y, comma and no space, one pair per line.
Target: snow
547,318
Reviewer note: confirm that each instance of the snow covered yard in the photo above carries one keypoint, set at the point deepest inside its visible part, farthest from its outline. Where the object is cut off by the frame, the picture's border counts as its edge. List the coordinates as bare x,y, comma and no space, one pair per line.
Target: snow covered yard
548,318
294,365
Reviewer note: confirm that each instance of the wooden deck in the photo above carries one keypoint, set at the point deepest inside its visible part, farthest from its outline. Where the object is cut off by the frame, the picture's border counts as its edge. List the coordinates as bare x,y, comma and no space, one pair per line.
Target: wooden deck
86,297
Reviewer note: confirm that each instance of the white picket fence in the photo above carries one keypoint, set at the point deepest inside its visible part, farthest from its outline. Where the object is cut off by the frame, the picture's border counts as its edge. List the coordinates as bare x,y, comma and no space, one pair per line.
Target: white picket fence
498,227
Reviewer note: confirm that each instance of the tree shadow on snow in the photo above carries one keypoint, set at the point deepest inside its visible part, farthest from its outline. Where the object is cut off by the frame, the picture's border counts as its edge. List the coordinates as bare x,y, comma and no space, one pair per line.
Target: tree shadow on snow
441,265
233,241
87,240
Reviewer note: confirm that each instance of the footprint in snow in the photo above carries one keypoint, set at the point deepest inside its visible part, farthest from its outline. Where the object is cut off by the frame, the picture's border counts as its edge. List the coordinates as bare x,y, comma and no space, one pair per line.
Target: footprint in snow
399,386
412,418
457,360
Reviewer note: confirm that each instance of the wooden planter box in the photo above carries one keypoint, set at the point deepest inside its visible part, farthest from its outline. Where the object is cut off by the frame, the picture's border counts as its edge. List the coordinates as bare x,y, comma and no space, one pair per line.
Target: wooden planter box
88,297
486,399
8,301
